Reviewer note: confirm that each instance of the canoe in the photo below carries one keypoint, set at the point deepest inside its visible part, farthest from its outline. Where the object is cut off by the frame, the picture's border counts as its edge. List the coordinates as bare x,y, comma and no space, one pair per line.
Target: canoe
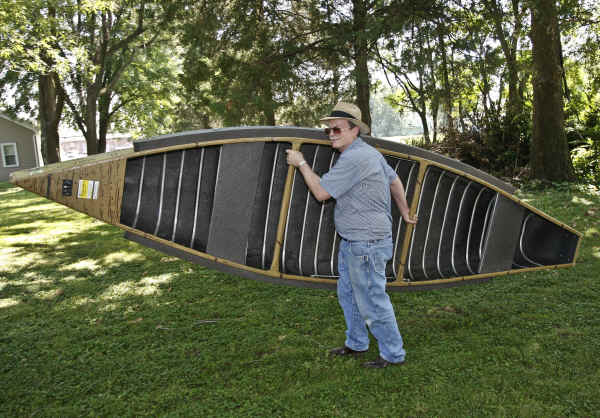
226,199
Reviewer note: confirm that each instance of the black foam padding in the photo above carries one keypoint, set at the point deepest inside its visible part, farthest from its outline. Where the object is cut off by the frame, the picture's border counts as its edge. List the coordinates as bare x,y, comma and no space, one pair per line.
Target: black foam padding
436,222
206,158
301,198
309,133
453,225
169,194
328,243
204,211
320,164
543,243
420,232
310,247
150,199
267,205
452,204
234,199
131,188
463,228
478,229
502,235
407,171
187,199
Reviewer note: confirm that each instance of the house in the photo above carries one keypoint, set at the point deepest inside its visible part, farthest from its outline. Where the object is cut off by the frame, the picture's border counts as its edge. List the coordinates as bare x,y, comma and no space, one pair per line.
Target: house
19,148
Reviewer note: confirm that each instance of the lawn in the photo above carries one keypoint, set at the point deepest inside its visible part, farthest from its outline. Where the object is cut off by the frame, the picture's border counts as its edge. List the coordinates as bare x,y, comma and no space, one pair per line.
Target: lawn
92,324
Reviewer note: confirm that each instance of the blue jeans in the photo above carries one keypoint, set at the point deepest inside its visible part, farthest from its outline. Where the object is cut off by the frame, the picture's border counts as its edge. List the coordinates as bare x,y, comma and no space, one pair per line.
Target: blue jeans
362,296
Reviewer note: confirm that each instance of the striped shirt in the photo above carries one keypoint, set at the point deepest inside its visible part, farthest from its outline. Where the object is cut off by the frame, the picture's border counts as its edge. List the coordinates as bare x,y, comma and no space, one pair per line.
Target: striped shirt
360,184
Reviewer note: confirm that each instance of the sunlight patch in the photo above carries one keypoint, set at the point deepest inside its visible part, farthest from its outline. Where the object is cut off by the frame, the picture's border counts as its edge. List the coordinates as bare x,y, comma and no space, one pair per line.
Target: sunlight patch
592,232
78,301
6,303
109,307
581,200
157,280
49,294
32,287
85,264
145,287
118,291
122,257
9,262
73,278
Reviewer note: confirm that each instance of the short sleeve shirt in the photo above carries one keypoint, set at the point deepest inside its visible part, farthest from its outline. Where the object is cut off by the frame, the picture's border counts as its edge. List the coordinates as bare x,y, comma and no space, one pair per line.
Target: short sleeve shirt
360,183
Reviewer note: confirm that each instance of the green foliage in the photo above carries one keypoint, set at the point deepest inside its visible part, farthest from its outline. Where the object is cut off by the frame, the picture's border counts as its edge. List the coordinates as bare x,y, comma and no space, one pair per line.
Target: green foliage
90,47
92,324
463,66
258,63
151,92
586,161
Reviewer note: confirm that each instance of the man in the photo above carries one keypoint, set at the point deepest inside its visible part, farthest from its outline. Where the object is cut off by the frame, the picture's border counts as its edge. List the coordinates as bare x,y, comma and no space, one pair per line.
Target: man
362,183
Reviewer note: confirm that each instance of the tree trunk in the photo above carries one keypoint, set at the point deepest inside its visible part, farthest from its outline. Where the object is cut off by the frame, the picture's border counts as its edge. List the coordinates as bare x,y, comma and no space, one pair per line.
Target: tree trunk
435,106
51,106
448,121
423,117
269,105
361,55
91,133
514,107
103,121
509,44
550,159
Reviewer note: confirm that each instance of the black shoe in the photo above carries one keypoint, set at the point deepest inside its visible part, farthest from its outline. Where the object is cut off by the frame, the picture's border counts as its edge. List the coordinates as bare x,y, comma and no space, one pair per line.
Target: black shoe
380,363
345,351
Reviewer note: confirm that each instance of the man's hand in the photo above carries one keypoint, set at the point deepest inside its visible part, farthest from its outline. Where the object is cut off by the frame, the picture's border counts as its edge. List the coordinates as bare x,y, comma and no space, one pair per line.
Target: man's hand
294,157
397,190
408,219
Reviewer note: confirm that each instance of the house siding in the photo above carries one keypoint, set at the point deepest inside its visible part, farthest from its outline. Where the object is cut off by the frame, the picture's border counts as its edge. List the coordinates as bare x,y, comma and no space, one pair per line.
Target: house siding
12,132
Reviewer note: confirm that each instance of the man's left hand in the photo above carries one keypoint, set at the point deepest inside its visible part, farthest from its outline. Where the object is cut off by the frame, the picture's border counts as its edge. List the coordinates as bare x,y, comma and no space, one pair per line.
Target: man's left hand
294,157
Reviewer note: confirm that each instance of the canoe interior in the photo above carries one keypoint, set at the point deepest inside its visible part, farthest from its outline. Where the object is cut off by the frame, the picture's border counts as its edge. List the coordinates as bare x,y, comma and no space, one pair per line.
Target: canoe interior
466,228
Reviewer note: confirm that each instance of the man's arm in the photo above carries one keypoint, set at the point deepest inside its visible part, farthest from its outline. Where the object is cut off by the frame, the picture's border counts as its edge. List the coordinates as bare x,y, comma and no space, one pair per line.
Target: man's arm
397,190
313,181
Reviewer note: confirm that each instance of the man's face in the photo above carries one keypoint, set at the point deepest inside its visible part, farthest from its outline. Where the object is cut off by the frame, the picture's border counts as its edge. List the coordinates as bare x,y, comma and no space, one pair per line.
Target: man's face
341,141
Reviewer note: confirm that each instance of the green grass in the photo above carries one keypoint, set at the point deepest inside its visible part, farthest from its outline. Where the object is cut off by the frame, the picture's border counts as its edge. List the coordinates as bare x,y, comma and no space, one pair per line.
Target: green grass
92,324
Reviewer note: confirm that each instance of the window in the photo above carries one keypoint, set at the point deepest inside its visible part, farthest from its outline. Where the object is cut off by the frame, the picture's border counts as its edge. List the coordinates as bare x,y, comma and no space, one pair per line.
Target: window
10,157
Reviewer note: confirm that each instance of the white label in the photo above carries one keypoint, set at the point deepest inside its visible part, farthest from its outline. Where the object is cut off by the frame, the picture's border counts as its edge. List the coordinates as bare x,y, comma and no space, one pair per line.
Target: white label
88,189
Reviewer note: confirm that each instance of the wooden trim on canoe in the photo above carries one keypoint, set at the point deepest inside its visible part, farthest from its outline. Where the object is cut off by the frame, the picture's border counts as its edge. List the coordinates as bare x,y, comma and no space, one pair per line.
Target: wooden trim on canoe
411,227
285,204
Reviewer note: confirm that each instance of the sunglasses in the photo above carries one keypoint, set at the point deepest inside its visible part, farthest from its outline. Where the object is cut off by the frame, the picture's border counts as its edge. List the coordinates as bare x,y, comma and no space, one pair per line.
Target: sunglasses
335,130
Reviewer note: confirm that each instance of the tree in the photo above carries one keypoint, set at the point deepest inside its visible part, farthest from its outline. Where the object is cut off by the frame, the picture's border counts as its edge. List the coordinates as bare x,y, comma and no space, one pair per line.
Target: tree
110,37
550,159
78,51
30,62
258,62
507,22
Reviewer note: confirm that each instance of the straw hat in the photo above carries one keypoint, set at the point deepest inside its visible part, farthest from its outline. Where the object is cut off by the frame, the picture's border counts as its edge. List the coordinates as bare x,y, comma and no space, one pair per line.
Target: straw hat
349,112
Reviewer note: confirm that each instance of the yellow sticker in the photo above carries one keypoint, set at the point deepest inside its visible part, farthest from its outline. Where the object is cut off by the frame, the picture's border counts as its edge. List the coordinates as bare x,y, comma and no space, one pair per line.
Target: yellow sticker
88,189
